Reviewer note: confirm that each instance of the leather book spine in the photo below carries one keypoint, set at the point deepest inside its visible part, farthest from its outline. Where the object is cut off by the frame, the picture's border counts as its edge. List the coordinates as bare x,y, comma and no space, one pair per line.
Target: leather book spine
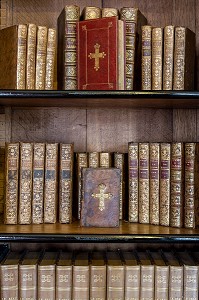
67,50
146,57
93,159
82,162
105,159
21,57
50,59
2,179
162,282
66,183
91,12
143,183
157,57
177,185
25,183
38,183
27,282
97,282
119,162
121,55
46,282
64,282
115,282
168,57
133,181
31,56
81,278
190,282
50,188
132,282
9,282
11,183
109,12
176,282
41,57
165,175
154,183
147,279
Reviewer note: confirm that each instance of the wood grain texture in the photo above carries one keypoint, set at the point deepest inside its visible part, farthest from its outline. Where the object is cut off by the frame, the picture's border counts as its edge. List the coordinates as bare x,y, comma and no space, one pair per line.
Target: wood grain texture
50,125
111,130
185,125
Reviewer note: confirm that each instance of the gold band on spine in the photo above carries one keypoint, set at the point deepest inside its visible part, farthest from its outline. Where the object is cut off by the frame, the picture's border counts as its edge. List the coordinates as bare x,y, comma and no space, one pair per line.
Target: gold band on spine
157,56
146,57
168,57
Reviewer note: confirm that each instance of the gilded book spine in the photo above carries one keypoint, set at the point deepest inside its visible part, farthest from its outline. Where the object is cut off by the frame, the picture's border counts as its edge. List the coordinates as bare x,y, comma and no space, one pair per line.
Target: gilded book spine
91,12
176,282
147,280
97,282
157,56
168,57
120,164
46,282
63,282
81,282
146,57
31,56
154,189
177,185
105,159
179,58
109,12
93,159
2,179
50,189
25,183
66,183
82,162
132,282
27,282
165,173
144,183
21,57
9,282
41,58
12,179
133,181
38,183
129,15
50,59
190,282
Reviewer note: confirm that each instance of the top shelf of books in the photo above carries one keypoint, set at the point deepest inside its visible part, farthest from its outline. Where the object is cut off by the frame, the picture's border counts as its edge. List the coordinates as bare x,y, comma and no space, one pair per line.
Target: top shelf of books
112,99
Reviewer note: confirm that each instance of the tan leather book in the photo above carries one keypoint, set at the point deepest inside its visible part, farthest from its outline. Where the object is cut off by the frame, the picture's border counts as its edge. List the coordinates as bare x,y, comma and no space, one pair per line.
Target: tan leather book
154,183
191,219
66,182
46,275
2,179
97,275
11,183
28,275
177,185
168,57
143,182
41,48
133,181
175,275
191,275
115,275
66,49
51,183
132,275
146,57
121,55
25,183
91,12
134,21
13,57
64,273
105,159
165,175
81,162
161,275
100,197
184,59
50,59
38,182
81,276
147,275
119,161
157,58
31,56
93,159
109,12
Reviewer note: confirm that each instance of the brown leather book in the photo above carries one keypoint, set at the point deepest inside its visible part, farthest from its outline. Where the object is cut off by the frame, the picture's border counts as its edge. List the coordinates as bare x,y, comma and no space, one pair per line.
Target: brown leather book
66,50
28,275
168,57
157,58
25,183
91,12
12,182
64,274
46,275
81,276
51,183
50,59
184,59
120,163
101,194
146,57
2,179
13,57
97,275
66,182
115,275
81,162
93,160
105,159
109,12
31,56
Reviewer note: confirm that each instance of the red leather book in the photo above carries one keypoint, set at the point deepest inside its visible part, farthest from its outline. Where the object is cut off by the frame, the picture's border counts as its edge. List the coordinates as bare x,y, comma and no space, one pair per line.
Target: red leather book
97,54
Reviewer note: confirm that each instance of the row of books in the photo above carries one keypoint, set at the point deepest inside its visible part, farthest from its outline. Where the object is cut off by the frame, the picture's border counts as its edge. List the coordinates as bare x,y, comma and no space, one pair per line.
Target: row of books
28,55
142,57
138,274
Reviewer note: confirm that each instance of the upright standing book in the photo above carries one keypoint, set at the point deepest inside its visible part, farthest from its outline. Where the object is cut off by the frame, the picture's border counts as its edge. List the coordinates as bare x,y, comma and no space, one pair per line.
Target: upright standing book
31,56
97,275
81,276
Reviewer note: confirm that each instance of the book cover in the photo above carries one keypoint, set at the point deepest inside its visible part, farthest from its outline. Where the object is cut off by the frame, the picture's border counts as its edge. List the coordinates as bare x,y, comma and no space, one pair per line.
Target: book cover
168,57
97,54
2,179
50,59
81,276
146,57
120,163
101,194
31,56
157,58
13,48
97,275
81,162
